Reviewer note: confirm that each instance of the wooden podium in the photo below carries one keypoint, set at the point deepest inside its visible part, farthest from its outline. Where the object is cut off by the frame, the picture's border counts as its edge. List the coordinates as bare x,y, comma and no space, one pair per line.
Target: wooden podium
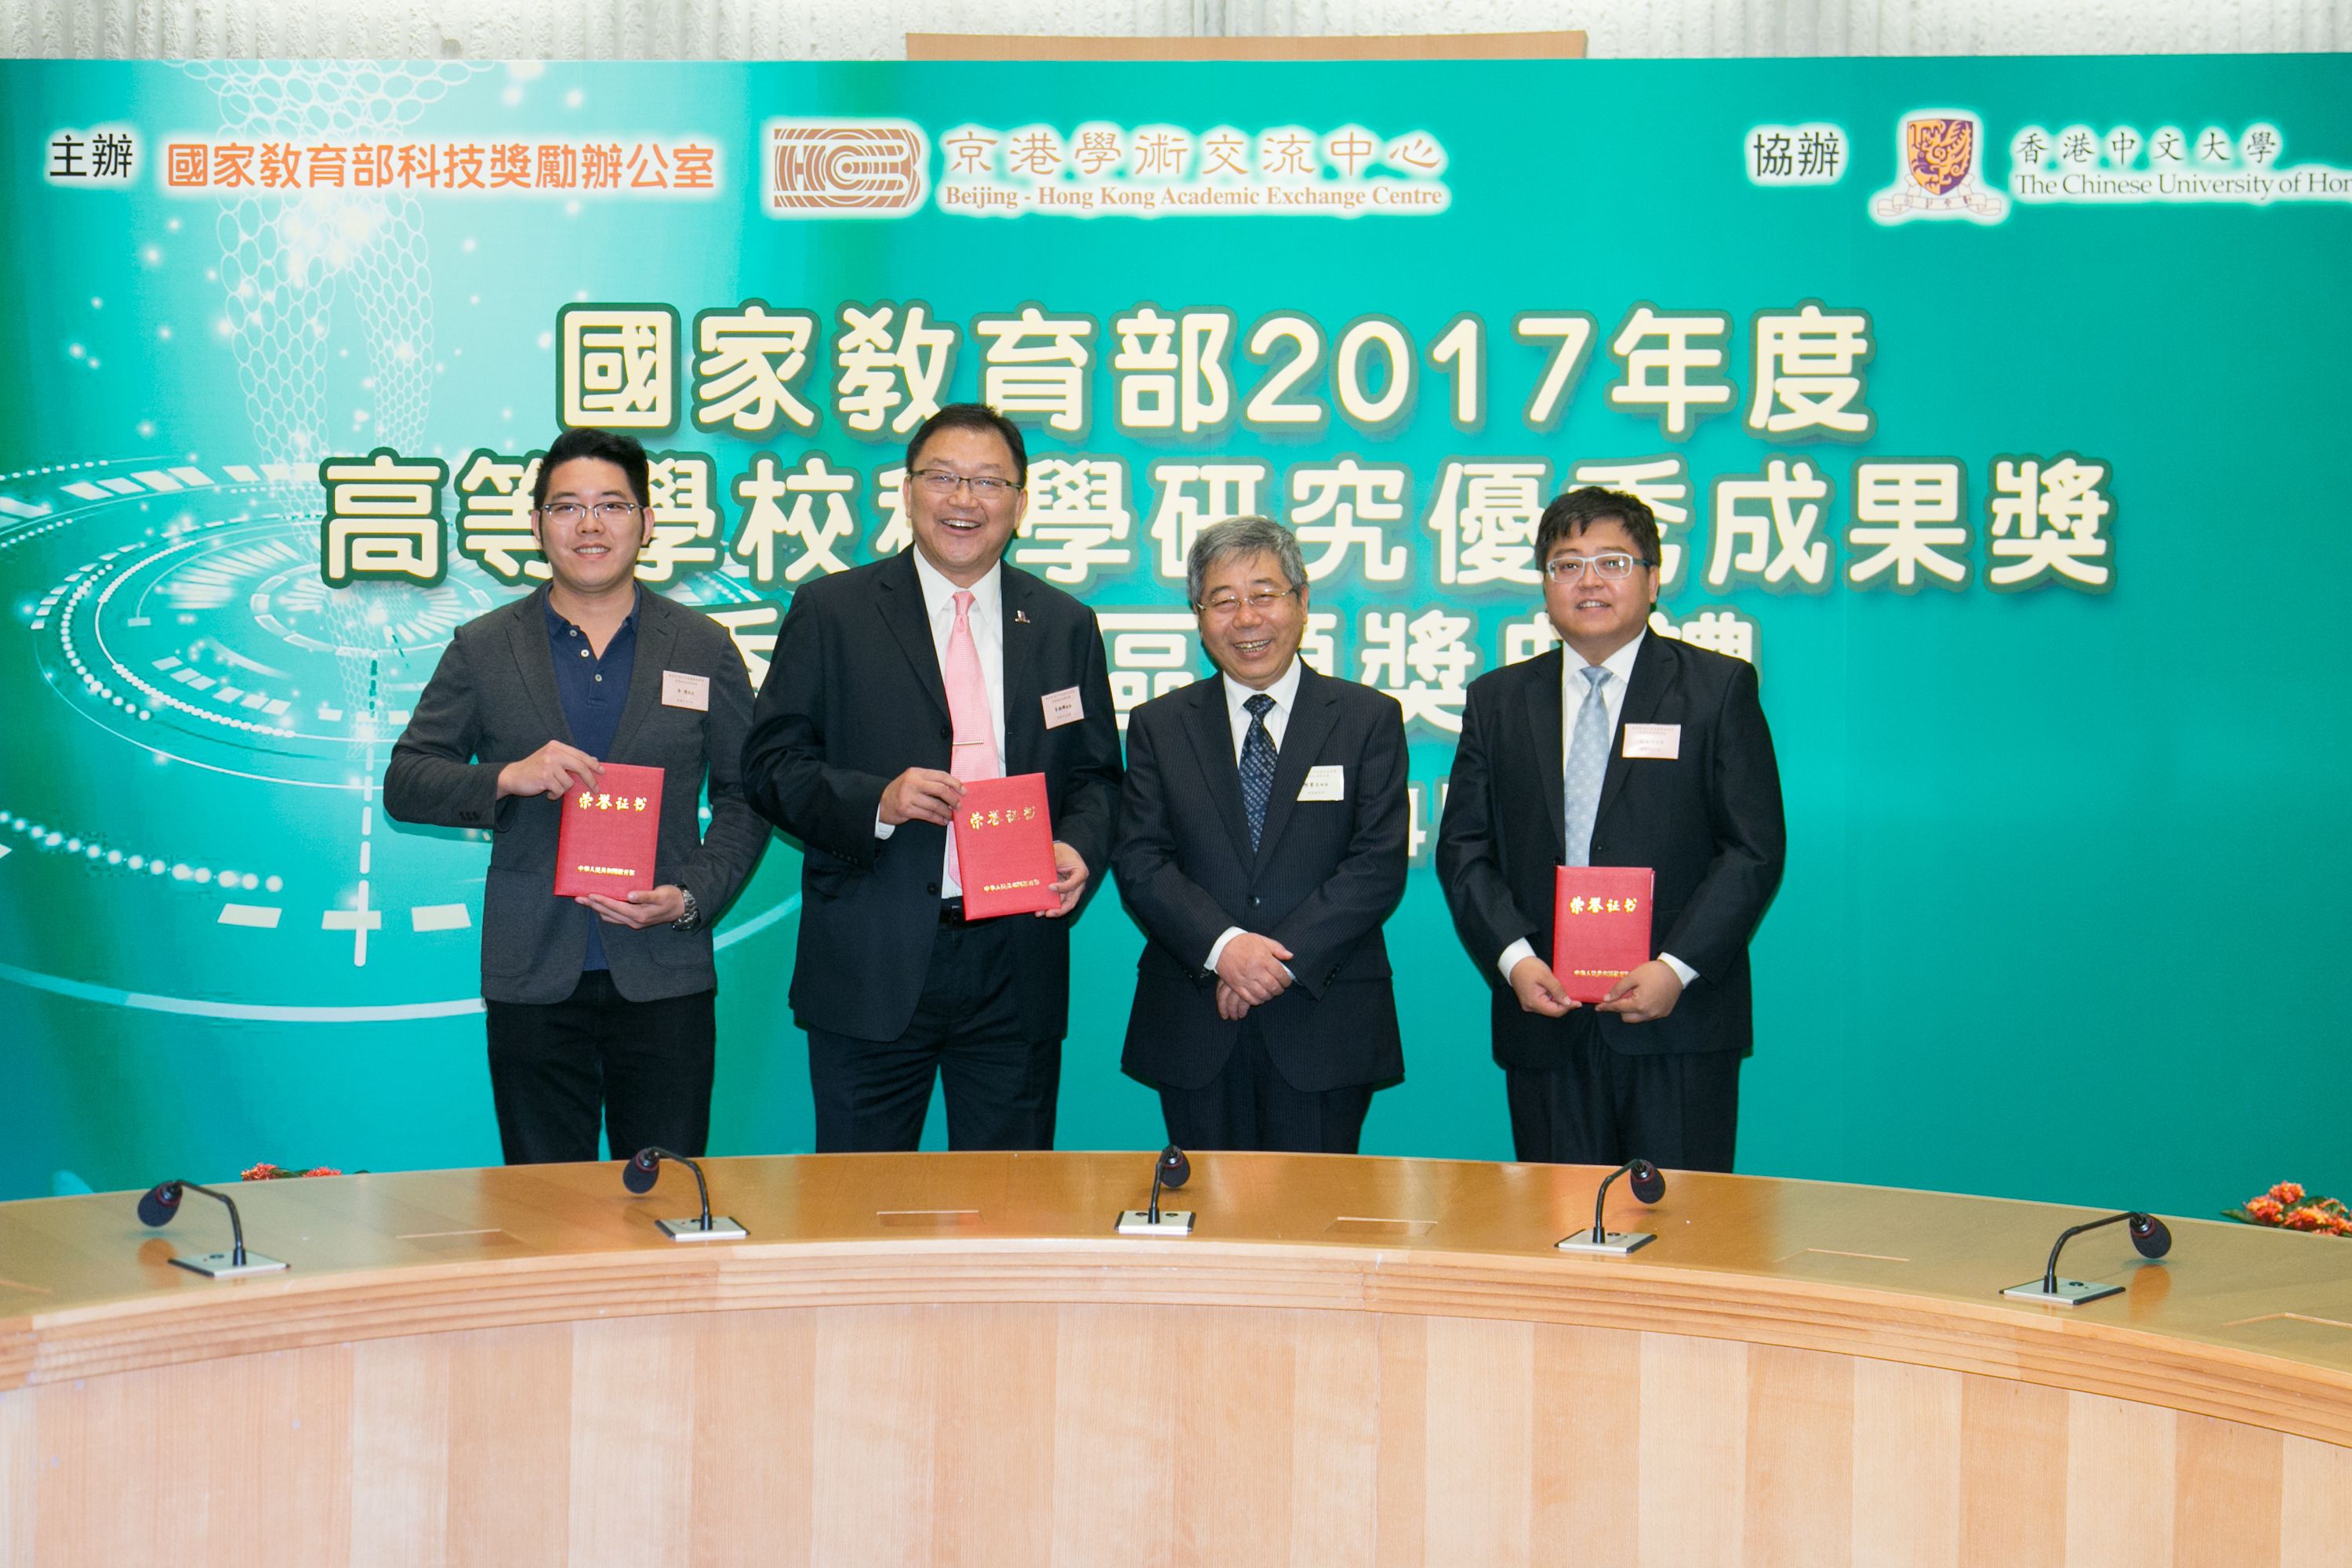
947,1358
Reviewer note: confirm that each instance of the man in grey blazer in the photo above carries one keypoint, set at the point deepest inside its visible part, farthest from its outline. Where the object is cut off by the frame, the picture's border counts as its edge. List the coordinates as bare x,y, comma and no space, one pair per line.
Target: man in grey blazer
599,1009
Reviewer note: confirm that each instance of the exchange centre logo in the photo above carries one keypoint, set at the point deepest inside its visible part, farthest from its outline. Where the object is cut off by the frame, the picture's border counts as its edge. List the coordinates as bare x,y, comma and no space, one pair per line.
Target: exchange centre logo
845,168
1941,158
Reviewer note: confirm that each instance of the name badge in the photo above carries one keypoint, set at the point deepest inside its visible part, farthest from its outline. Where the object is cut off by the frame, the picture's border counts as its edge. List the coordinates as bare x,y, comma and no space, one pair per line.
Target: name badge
1062,707
1664,741
682,690
1329,782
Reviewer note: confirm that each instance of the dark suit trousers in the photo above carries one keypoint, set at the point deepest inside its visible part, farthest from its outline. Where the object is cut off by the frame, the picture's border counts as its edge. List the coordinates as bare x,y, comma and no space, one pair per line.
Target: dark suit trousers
1001,1087
1679,1109
641,1068
1250,1105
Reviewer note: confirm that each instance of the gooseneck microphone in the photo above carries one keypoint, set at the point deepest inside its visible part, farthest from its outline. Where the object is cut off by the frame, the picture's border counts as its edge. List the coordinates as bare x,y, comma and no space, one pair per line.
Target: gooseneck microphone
1171,1171
1648,1186
2150,1237
159,1203
644,1168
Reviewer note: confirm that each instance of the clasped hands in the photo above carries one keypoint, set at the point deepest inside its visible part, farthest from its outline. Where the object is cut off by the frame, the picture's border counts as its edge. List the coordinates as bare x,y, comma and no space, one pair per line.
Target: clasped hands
1251,971
929,794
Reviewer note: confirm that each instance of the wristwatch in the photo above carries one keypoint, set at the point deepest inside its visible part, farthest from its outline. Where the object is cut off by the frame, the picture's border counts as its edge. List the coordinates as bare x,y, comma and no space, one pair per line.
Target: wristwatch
693,916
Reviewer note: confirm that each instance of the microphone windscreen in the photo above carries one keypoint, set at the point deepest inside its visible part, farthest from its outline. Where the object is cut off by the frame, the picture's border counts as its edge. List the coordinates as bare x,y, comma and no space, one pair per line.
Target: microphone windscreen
1648,1185
158,1205
2149,1235
1175,1170
638,1174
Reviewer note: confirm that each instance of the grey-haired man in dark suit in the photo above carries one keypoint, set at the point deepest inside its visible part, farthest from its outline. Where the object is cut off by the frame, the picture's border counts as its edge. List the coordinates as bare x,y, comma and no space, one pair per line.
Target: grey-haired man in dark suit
1262,846
600,1010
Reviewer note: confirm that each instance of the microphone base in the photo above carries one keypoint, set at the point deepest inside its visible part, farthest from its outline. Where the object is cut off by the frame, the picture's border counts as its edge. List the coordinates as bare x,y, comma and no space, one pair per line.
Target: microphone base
2070,1293
223,1265
1171,1222
1613,1243
721,1229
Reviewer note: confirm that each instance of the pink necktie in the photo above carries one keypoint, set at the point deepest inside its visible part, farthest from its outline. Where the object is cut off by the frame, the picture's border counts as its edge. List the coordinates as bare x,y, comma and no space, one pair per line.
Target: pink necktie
974,756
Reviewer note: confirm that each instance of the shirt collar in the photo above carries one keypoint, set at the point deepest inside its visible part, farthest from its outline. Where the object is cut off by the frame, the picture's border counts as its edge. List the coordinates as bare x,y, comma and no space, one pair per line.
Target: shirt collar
1619,665
1285,691
557,626
939,594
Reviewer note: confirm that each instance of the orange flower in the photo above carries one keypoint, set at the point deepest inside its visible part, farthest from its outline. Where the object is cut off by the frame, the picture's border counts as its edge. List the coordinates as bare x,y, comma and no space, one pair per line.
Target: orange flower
262,1173
2288,1191
2309,1218
2266,1209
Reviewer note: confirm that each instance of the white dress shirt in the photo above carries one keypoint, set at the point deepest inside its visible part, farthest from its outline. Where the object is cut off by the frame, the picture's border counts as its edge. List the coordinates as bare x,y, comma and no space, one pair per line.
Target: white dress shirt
1284,692
1572,688
987,621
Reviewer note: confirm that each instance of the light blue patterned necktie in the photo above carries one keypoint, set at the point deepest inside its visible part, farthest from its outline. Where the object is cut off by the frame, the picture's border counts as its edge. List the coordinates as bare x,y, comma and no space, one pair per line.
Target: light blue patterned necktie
1257,765
1587,760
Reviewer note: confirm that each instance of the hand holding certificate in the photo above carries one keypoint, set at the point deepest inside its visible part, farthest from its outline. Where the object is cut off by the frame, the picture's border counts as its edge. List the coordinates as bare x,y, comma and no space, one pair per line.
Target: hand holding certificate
607,840
1004,847
1601,927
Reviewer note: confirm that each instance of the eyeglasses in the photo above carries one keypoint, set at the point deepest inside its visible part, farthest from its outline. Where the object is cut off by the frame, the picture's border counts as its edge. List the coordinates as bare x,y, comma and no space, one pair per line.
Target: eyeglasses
1265,599
570,512
944,482
1614,567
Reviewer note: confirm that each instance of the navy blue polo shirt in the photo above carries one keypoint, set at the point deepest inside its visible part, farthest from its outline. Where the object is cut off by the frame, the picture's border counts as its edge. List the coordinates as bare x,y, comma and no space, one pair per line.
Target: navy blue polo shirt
593,691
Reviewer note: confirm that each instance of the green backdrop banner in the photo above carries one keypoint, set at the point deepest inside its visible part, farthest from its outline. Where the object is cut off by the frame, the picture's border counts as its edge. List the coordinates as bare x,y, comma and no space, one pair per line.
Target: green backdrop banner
1993,408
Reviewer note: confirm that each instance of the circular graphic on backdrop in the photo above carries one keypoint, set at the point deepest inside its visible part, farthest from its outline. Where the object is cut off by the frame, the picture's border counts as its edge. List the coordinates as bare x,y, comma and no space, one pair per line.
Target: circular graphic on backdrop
213,721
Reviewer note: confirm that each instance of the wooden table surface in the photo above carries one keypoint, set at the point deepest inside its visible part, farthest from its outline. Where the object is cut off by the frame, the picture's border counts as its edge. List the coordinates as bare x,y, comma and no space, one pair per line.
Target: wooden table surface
2248,1325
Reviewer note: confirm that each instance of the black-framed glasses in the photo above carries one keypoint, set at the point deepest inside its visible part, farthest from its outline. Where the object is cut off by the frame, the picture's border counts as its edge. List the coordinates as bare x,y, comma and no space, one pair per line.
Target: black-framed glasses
570,512
1613,567
1265,599
945,482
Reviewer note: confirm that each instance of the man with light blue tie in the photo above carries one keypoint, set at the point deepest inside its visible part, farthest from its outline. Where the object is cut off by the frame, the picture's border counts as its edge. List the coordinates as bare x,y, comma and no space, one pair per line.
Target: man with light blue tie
1619,749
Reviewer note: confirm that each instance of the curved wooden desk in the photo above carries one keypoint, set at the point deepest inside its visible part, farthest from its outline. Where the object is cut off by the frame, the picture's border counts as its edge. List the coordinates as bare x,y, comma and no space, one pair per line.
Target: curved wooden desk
949,1358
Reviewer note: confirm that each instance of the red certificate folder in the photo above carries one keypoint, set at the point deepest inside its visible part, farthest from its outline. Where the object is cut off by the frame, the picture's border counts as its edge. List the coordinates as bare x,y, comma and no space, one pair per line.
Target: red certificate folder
606,841
1600,926
1004,847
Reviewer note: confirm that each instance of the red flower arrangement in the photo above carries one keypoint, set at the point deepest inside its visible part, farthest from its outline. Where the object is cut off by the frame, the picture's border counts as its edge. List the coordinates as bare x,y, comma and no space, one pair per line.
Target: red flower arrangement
265,1172
2287,1206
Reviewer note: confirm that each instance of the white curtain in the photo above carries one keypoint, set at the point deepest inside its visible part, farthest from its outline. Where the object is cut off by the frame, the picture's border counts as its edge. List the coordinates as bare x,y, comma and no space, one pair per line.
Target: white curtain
874,29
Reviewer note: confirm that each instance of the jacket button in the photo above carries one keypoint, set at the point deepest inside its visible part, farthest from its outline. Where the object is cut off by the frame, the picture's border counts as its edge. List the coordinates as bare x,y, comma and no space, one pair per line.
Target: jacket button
947,732
1256,901
933,888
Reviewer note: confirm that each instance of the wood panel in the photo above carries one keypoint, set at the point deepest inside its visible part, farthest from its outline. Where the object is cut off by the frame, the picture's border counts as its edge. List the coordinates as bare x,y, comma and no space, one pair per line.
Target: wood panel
1790,1378
1154,1435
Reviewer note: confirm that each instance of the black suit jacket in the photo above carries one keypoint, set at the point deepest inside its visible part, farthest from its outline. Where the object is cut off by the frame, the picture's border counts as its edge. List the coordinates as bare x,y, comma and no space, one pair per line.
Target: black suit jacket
1325,877
853,699
1708,823
493,699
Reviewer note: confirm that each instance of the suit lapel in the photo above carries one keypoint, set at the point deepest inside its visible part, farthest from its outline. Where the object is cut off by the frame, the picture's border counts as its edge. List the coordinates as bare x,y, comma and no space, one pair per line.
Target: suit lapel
1024,712
1653,672
1211,729
1542,697
901,604
527,639
656,635
1311,717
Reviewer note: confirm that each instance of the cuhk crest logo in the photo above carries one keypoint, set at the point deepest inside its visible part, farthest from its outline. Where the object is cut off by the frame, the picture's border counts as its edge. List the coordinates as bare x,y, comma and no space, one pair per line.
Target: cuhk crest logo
1940,154
845,168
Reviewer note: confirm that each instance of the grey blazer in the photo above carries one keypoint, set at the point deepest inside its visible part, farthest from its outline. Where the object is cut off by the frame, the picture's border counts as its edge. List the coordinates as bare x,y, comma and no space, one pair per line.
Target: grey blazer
492,701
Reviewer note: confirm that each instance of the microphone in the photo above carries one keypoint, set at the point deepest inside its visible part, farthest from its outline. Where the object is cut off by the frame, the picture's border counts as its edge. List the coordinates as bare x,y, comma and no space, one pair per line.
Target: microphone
2149,1238
159,1203
1648,1186
1171,1171
644,1168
